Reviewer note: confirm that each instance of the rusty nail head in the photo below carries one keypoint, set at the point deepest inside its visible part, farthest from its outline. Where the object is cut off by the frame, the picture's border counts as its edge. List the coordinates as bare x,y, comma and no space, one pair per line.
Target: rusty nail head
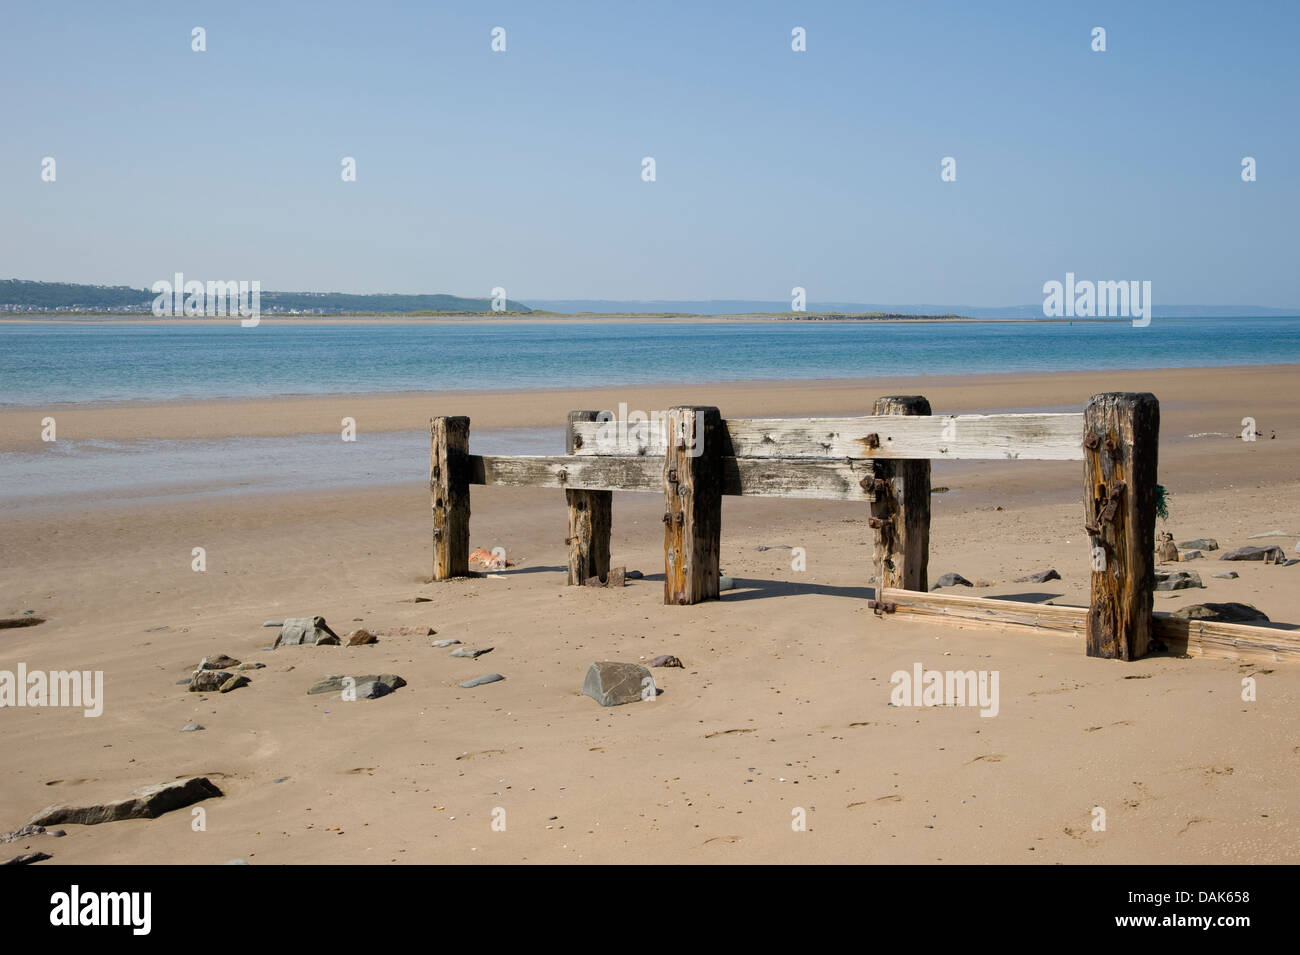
865,483
681,518
577,440
873,440
880,484
668,518
672,475
875,522
562,475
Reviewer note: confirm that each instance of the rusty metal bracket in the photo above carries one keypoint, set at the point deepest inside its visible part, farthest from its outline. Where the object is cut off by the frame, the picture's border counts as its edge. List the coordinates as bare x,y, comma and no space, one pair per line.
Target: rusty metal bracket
876,522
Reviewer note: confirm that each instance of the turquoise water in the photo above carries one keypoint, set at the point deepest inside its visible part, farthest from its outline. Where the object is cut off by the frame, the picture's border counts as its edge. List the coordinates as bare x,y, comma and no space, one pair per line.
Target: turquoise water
43,364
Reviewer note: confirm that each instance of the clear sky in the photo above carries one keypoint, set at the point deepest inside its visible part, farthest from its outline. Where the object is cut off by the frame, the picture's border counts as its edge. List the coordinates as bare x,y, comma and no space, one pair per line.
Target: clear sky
774,168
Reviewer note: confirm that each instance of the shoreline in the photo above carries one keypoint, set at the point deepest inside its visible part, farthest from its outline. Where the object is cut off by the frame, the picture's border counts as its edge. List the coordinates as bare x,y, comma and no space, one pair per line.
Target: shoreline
405,411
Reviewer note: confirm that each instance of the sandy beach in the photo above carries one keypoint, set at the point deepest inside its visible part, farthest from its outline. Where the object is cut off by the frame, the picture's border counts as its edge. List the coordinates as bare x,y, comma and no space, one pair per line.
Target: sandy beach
783,701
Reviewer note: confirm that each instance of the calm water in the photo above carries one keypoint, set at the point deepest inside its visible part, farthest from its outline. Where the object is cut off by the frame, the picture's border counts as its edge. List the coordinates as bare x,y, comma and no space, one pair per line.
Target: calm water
43,364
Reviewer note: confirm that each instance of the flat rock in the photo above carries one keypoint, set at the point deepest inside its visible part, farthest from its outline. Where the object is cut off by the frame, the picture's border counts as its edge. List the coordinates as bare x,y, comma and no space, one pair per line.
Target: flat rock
617,577
417,600
147,802
480,680
1190,555
1201,543
440,644
27,831
410,632
634,575
951,580
251,666
360,638
299,630
726,583
334,684
208,681
192,728
1230,575
234,683
613,684
1277,533
1272,554
273,623
8,622
664,660
470,652
1042,577
28,858
219,662
1224,613
1177,580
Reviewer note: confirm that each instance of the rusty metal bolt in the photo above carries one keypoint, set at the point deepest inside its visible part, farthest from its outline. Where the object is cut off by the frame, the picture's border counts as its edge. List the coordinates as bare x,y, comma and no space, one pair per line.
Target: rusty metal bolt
1092,440
437,533
577,440
880,485
668,518
873,440
562,476
1112,446
865,483
672,475
681,518
875,522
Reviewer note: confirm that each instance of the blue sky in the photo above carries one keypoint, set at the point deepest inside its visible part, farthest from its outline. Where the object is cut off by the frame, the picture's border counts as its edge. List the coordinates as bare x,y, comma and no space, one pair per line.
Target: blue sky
522,169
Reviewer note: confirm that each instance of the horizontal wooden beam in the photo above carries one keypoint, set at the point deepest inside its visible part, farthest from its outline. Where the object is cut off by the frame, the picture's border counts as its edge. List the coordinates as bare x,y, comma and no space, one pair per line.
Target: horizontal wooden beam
1196,638
1041,437
754,477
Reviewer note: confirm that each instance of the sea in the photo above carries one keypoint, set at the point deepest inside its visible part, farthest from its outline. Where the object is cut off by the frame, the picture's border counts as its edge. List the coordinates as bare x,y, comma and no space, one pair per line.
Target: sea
45,365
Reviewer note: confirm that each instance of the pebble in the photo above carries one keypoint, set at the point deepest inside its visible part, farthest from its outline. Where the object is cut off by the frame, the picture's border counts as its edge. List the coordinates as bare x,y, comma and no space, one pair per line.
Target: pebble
273,623
471,652
444,643
1230,575
480,680
192,728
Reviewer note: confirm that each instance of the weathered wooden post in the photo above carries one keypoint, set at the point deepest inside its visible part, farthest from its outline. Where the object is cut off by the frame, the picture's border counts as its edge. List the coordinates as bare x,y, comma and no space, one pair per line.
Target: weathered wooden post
449,484
590,518
900,514
1121,435
692,504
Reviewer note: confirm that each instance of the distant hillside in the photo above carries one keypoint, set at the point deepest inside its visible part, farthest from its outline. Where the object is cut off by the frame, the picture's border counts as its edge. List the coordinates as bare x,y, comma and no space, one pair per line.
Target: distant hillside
20,296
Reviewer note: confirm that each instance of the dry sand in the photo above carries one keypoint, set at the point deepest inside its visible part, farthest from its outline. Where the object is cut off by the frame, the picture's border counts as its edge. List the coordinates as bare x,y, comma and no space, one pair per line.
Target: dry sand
782,705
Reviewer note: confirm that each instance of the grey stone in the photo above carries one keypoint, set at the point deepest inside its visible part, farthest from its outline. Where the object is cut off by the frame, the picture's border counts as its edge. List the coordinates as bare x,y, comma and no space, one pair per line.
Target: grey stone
219,662
208,681
1190,555
234,683
273,623
1224,613
334,684
328,640
481,680
613,684
471,652
726,583
1276,533
617,577
372,690
1042,577
634,575
250,666
1177,580
951,580
1230,575
147,802
664,660
299,630
192,728
1273,554
26,832
28,858
444,643
1201,543
235,862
